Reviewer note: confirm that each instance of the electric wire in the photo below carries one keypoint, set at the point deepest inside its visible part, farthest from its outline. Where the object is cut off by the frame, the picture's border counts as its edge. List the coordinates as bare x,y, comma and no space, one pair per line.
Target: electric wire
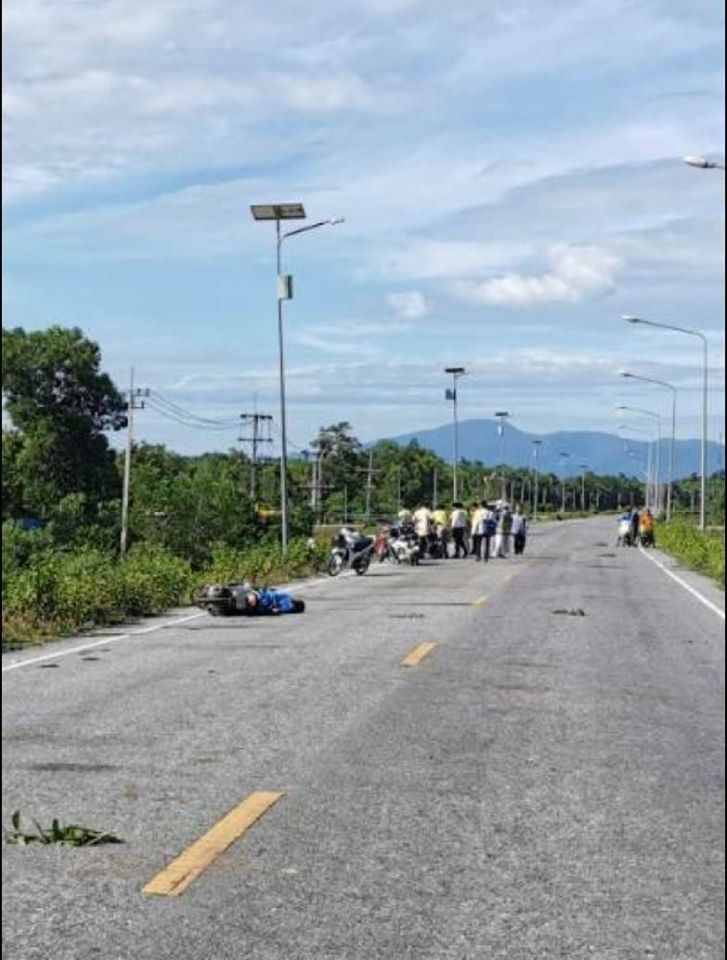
187,422
180,411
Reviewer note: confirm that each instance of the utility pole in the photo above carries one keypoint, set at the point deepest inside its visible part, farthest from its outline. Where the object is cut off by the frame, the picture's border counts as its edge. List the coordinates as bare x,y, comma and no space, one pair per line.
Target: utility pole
256,439
369,483
314,485
435,491
131,405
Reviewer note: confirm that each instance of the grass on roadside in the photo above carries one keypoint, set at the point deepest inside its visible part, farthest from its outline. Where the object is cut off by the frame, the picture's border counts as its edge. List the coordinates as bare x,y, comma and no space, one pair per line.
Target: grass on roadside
698,550
62,592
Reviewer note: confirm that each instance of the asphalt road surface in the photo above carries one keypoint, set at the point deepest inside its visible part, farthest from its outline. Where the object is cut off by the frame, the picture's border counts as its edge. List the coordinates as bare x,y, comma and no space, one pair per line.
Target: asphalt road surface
539,785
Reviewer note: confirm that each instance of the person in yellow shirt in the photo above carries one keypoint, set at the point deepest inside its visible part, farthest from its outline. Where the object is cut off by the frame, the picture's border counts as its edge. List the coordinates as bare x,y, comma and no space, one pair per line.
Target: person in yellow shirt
458,525
440,522
477,529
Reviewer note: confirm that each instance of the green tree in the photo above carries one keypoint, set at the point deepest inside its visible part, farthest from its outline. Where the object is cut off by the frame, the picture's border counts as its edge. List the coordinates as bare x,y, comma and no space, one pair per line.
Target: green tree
340,458
60,405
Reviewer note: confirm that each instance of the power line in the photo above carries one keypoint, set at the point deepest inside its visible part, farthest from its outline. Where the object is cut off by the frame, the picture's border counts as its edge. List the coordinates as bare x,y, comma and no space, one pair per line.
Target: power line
194,424
187,414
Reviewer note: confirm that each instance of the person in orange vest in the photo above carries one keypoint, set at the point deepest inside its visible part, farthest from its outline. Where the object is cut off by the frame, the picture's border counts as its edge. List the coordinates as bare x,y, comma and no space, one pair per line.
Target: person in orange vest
647,525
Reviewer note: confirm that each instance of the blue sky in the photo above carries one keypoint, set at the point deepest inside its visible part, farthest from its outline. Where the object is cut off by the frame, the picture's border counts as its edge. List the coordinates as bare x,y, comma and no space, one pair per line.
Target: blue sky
509,173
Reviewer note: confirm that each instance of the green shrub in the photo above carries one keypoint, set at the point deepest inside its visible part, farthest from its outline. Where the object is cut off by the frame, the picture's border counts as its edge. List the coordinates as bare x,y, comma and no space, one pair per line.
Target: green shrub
19,547
60,591
698,550
263,564
151,579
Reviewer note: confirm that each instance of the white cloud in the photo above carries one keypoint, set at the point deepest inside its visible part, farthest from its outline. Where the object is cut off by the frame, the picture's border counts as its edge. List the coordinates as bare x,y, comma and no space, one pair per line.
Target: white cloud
443,259
353,338
577,274
409,305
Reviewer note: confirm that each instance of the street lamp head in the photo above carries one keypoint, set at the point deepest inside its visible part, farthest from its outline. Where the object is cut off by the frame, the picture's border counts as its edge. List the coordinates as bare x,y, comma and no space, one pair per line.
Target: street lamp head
625,373
700,162
628,318
454,370
501,413
278,211
335,220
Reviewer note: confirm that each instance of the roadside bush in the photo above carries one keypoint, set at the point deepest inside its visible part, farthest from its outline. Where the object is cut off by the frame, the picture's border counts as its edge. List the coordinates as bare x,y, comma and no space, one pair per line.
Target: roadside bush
19,547
152,580
700,551
60,591
263,564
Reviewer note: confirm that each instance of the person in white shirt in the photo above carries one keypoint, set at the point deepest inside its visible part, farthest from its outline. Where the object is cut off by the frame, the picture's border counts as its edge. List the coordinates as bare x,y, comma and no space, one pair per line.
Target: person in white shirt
477,529
490,531
459,523
423,525
519,531
504,529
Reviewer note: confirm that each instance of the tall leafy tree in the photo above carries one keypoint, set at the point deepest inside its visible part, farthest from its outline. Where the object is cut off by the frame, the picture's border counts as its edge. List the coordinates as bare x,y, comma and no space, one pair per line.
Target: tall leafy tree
340,457
60,404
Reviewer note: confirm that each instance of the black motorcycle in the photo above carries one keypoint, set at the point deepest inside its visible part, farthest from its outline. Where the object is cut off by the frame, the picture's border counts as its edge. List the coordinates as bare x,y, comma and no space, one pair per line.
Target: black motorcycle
350,549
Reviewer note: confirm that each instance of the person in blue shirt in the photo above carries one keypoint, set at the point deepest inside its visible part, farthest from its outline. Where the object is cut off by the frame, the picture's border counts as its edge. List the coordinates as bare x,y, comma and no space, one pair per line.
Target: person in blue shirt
267,602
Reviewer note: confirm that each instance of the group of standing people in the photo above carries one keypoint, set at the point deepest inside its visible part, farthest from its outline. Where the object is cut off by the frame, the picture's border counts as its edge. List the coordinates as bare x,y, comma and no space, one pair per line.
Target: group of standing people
483,531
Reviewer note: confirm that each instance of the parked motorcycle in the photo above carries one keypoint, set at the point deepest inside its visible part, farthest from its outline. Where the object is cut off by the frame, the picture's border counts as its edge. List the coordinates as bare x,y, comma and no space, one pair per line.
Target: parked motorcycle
350,549
646,538
625,534
404,544
436,547
382,546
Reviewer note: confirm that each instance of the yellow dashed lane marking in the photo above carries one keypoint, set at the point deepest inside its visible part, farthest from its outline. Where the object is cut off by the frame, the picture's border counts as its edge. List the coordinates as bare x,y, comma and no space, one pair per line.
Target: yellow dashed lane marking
416,656
177,876
480,601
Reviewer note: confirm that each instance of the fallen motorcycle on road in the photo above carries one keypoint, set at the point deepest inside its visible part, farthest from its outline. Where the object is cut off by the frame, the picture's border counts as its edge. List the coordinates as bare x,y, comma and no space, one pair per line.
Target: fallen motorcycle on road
242,599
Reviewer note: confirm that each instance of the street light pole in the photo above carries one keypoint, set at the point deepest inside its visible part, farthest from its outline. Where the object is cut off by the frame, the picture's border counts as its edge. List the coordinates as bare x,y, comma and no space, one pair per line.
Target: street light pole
536,448
672,449
649,459
705,401
647,467
502,416
563,459
283,422
653,416
278,212
584,467
456,373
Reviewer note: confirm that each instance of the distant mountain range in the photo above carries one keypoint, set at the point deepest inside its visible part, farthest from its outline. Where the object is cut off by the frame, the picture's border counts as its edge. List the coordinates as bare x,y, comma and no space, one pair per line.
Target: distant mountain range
604,453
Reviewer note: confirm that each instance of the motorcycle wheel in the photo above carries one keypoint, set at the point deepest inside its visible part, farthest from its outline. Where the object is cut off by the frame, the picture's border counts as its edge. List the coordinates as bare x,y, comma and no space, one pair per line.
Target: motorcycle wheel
362,565
335,565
